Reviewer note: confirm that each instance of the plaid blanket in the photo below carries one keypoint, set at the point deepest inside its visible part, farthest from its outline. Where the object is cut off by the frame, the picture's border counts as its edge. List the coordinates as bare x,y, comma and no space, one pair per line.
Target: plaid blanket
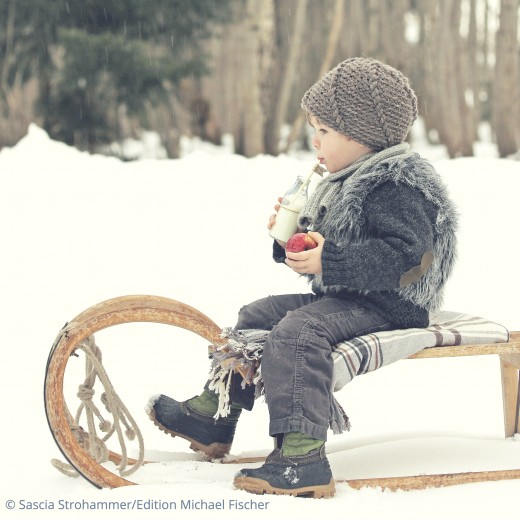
372,351
360,355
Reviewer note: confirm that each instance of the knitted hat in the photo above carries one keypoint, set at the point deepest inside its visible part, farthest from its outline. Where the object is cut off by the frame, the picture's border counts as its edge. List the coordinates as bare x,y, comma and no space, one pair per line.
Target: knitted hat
365,99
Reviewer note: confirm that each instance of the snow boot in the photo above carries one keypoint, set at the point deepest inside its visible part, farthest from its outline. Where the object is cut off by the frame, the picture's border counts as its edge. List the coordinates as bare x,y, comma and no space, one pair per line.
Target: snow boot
213,437
300,475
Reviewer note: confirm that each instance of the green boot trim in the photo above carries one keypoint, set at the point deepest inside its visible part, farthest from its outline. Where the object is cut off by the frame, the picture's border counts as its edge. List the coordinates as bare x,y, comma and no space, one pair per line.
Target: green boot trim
298,443
207,404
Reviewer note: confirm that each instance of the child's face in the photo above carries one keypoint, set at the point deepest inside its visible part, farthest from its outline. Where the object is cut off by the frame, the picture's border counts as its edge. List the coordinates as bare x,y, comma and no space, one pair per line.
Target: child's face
334,150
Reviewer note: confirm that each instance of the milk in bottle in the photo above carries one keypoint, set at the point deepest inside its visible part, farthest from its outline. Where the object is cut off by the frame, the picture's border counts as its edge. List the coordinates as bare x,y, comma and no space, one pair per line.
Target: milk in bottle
286,224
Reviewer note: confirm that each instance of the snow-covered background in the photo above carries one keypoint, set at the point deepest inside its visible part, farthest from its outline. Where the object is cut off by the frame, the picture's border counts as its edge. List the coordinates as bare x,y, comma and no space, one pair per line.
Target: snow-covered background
77,229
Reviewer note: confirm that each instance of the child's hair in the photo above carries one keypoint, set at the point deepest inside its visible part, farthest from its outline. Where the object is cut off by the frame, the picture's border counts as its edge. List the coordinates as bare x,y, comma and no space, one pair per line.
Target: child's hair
310,116
367,100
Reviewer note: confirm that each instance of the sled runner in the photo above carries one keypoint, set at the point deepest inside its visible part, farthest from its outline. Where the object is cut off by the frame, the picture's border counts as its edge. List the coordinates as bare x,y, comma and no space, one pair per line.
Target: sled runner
86,452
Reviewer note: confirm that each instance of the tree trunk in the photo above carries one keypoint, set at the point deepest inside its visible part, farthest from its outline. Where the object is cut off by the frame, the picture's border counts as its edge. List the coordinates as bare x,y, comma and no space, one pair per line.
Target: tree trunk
394,48
473,69
258,39
431,98
285,71
327,63
462,85
507,78
451,82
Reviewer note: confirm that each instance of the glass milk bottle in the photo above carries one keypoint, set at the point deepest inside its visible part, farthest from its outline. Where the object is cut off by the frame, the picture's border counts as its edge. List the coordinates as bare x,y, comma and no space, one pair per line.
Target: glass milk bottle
286,224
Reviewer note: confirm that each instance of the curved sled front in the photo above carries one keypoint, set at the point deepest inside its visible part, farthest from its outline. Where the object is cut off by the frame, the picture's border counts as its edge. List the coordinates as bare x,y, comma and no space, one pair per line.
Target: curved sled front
116,311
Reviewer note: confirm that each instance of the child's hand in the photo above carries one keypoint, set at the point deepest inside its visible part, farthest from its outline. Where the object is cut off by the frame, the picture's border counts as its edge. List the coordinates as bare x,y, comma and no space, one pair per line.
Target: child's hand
272,219
307,262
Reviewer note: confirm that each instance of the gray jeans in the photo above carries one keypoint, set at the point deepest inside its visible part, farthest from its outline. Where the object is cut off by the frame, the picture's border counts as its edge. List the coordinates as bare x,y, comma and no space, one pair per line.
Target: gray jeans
296,361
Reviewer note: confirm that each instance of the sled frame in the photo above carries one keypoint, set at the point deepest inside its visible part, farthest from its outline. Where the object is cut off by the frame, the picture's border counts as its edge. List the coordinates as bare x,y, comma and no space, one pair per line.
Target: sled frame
156,309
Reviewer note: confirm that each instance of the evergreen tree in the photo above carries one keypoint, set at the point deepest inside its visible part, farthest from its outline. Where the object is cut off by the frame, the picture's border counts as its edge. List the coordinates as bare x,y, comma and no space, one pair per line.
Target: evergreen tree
95,56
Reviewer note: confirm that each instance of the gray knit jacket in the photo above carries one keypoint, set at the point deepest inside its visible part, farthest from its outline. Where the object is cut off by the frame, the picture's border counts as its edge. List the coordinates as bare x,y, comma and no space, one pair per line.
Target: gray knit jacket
389,228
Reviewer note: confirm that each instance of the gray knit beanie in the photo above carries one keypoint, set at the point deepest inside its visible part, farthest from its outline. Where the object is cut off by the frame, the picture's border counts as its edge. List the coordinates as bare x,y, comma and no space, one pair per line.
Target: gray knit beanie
365,99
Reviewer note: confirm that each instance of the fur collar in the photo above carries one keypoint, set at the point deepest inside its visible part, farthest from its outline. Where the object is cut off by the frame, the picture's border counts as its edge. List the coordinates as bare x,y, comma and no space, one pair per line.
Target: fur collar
337,213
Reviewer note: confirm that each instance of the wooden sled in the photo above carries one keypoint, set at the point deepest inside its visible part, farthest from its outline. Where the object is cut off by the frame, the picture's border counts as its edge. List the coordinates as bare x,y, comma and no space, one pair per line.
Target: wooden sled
155,309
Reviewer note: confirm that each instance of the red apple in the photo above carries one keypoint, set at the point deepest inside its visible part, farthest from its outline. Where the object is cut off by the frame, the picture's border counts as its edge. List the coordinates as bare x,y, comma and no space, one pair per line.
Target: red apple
300,242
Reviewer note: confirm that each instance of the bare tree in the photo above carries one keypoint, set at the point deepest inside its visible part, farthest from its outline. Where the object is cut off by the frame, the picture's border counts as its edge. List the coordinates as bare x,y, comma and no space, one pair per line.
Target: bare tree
423,69
237,91
258,53
327,63
473,55
506,111
285,67
444,81
393,46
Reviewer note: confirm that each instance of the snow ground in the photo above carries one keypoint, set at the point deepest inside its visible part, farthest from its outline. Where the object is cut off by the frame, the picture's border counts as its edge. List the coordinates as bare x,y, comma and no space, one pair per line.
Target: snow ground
78,229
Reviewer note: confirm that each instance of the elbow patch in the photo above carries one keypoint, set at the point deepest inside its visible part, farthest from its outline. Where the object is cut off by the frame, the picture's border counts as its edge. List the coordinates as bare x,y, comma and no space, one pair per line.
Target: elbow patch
415,273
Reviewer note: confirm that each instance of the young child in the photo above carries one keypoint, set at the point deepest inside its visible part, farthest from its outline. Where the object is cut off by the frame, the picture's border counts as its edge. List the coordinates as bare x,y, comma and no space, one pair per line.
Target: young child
385,229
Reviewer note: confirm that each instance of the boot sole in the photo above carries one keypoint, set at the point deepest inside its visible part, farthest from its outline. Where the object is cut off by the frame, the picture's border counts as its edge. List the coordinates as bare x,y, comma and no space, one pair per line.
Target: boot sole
261,487
215,450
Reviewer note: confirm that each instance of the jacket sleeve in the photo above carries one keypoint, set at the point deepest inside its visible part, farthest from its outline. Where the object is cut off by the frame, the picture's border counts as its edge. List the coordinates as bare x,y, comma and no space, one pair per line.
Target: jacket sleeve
396,247
278,253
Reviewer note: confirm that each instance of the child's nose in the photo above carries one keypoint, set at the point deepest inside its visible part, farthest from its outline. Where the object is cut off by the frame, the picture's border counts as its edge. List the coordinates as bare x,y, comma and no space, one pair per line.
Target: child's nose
315,142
